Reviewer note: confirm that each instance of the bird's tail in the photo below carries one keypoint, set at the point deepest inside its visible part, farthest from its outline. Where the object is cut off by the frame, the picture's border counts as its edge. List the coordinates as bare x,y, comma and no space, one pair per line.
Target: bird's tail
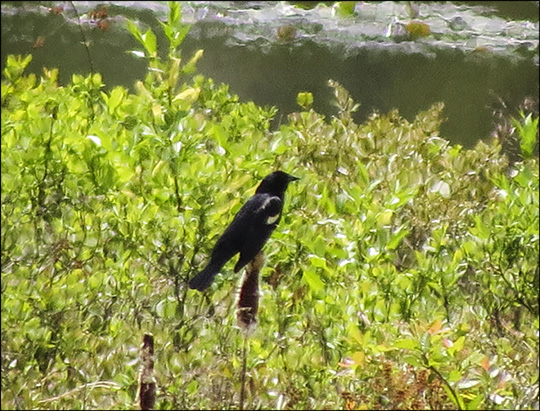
203,280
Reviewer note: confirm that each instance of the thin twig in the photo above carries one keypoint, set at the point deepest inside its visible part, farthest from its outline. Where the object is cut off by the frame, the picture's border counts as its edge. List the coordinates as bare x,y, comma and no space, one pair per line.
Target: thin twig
243,376
85,42
97,384
454,394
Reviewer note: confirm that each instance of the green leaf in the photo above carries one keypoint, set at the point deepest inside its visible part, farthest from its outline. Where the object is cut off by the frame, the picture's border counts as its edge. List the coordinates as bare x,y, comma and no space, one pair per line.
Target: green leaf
313,280
474,404
304,100
524,177
166,308
150,43
459,344
189,67
407,344
175,13
317,261
413,359
95,139
135,32
174,71
454,376
397,236
15,66
384,218
401,198
95,280
138,54
115,99
355,333
344,8
527,129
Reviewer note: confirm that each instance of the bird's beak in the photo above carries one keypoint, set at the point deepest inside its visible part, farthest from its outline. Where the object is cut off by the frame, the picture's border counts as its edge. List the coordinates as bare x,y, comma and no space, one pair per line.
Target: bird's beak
293,178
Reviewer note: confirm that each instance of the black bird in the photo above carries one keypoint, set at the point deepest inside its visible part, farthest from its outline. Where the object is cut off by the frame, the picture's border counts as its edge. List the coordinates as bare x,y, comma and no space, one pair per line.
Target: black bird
249,230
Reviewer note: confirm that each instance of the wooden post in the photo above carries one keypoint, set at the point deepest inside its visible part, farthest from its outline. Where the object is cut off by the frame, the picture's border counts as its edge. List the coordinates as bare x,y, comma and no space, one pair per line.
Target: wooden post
248,301
147,386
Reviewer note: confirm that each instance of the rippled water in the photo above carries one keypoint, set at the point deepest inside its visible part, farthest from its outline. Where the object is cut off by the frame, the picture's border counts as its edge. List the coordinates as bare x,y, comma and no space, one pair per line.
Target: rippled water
373,25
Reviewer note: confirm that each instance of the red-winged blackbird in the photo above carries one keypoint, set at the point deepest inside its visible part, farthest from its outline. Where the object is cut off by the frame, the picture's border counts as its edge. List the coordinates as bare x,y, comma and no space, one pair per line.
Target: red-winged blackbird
249,230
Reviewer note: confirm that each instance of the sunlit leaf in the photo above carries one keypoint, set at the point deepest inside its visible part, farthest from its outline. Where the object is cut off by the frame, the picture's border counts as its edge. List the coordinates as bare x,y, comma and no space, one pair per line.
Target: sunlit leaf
527,129
407,344
355,333
313,280
149,42
304,100
317,261
454,376
95,139
397,237
475,403
413,360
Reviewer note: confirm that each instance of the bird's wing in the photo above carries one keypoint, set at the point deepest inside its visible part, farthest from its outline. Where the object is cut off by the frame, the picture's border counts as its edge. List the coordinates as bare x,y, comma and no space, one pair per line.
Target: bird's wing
258,215
256,221
261,209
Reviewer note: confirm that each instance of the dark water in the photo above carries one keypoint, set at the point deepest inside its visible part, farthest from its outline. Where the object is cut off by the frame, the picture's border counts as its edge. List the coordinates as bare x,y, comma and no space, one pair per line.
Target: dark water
477,54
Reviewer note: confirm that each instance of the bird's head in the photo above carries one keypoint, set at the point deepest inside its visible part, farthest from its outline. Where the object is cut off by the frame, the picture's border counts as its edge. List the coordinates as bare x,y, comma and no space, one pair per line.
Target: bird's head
275,183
